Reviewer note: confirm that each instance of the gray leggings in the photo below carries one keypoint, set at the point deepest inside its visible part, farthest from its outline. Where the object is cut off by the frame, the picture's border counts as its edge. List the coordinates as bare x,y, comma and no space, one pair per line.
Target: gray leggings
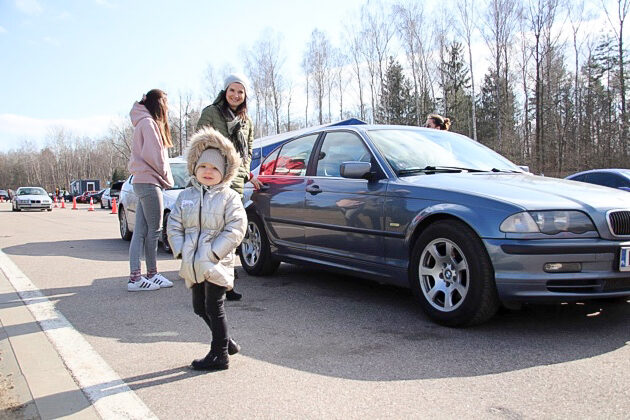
148,227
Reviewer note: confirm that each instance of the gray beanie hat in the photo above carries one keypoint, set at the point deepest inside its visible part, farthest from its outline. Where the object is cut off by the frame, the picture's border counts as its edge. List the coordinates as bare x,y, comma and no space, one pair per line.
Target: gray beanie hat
238,78
214,157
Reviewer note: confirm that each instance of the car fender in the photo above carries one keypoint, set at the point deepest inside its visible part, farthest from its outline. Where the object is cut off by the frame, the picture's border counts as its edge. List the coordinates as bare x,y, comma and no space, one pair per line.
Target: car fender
475,218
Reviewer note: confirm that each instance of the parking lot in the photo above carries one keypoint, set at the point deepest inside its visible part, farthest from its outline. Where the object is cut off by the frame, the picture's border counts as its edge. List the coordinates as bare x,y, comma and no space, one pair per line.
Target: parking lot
319,345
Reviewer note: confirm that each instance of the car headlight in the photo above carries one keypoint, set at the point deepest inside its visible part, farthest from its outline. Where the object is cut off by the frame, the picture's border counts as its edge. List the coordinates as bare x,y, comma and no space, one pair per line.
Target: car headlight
548,222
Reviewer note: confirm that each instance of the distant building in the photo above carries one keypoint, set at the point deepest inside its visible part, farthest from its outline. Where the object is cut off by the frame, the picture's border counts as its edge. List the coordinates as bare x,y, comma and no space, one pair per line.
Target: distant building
80,186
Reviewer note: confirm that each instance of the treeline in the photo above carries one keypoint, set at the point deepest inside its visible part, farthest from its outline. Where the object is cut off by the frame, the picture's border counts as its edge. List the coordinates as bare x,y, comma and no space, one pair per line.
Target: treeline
552,91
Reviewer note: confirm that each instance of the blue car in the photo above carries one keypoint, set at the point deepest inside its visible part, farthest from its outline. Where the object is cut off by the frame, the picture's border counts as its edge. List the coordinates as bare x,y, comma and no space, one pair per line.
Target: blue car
462,226
613,178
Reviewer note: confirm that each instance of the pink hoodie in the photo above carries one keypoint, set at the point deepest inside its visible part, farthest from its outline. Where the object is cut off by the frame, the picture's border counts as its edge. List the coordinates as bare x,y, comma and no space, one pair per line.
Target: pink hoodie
149,158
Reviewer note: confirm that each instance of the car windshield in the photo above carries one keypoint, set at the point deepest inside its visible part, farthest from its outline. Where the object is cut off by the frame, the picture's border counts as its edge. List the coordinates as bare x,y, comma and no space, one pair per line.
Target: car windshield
31,191
415,151
180,175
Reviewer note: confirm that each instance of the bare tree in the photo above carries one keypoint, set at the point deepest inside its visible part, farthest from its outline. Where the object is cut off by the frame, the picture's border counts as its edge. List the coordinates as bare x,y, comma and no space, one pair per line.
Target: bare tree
467,18
354,45
622,11
318,61
377,32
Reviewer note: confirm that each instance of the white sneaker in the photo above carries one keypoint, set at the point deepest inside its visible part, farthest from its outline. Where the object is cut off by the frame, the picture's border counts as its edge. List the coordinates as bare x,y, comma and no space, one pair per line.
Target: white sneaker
141,285
161,281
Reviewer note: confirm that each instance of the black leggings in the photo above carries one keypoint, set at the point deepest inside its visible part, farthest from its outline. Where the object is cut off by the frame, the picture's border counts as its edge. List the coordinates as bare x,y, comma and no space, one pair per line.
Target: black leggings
208,300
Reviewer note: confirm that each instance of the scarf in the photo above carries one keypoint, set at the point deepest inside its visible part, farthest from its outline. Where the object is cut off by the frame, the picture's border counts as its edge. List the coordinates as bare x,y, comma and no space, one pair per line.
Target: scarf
236,135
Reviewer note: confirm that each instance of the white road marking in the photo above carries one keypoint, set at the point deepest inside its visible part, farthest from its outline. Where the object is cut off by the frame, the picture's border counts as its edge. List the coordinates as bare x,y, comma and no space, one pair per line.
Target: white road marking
109,394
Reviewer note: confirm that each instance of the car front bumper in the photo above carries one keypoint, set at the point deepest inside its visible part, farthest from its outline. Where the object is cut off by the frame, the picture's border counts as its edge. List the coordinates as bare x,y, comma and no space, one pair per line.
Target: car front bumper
520,274
34,206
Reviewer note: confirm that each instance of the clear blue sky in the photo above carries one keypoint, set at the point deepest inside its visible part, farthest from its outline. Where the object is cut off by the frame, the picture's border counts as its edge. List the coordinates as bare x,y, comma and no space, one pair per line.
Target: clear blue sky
80,63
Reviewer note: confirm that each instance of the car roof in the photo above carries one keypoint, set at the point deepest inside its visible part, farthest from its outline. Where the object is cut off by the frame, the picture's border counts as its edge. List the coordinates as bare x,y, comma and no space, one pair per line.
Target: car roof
620,171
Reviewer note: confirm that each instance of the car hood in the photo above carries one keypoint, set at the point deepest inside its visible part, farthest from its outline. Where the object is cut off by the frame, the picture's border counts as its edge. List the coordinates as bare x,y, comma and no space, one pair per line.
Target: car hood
32,197
530,192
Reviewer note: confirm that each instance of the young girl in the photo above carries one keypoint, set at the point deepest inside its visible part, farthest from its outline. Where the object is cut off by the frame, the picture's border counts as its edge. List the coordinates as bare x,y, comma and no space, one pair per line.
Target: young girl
151,174
204,228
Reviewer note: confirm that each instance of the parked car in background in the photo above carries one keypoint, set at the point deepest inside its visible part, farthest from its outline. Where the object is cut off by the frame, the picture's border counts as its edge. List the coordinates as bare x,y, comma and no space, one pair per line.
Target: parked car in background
33,198
435,211
110,193
129,201
613,178
5,195
96,197
85,197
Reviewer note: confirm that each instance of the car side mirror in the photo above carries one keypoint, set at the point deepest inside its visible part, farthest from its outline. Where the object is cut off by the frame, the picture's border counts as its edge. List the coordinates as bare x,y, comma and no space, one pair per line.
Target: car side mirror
524,168
355,170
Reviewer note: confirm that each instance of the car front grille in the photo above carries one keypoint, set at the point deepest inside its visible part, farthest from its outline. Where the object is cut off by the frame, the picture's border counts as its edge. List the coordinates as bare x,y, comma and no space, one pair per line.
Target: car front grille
619,222
35,201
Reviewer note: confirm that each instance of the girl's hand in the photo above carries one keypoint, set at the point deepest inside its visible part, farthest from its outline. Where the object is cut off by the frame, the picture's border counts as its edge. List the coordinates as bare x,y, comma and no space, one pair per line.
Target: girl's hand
255,182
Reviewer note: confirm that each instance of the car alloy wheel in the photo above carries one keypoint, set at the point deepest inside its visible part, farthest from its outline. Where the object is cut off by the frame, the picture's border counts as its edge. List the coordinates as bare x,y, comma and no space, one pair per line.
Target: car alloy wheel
444,275
255,253
452,275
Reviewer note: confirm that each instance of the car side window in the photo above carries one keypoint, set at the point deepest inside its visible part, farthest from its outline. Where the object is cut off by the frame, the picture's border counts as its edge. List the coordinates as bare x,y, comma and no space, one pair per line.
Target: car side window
340,147
294,155
604,179
580,178
269,164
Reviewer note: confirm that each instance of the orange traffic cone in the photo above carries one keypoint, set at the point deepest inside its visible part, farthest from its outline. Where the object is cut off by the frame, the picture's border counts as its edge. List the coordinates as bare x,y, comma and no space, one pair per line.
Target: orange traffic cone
114,206
63,203
1,199
55,199
91,208
74,203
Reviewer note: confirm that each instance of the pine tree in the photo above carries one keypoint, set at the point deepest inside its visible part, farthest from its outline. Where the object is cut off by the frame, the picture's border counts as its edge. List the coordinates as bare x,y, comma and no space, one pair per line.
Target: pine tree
397,105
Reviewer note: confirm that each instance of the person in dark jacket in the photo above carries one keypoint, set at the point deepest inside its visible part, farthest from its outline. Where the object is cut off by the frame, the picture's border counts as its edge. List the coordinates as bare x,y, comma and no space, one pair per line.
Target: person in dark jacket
228,115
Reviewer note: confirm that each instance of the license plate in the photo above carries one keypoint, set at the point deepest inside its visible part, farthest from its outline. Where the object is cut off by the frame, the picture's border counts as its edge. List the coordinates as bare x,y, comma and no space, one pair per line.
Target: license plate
624,259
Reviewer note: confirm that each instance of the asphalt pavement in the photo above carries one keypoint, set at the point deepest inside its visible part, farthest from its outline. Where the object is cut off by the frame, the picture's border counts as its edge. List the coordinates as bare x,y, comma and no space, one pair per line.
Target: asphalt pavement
75,343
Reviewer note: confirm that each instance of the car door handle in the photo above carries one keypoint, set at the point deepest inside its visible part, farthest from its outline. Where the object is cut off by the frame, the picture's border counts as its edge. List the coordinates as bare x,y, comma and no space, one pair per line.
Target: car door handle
313,189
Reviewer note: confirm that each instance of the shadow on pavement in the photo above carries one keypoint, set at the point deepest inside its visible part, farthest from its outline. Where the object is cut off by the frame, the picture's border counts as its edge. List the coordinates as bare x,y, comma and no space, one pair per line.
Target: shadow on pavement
347,327
89,249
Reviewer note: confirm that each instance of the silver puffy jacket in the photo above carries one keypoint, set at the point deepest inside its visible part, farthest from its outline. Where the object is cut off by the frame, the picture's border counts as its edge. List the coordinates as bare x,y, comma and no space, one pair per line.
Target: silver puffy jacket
208,223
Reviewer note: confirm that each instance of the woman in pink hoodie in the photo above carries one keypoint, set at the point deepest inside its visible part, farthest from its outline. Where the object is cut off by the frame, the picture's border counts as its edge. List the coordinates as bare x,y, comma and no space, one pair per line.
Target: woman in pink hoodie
151,174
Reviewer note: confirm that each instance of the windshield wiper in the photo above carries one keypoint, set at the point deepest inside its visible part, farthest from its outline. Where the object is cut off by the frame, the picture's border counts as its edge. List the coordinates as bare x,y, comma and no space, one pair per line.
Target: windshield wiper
510,171
437,169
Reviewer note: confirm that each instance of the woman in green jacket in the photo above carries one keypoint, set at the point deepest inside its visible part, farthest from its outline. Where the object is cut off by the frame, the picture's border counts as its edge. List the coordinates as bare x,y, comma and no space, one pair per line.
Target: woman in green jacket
228,115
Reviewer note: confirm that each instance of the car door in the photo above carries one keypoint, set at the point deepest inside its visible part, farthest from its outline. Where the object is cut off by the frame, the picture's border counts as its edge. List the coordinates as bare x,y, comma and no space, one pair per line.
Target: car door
281,202
344,216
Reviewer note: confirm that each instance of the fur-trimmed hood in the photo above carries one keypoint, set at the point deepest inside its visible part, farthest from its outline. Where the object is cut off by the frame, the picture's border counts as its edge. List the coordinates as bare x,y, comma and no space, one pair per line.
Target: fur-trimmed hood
209,137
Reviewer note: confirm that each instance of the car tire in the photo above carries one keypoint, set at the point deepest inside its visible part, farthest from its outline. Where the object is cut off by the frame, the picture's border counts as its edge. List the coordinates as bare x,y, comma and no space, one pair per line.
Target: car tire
48,209
102,206
125,233
255,253
165,245
452,276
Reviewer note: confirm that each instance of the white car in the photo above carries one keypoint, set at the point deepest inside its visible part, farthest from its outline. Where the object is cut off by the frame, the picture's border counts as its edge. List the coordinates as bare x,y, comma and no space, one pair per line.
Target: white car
129,201
35,198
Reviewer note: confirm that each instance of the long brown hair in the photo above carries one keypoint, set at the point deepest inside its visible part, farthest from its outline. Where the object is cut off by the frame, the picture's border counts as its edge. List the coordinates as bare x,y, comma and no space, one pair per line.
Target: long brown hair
155,101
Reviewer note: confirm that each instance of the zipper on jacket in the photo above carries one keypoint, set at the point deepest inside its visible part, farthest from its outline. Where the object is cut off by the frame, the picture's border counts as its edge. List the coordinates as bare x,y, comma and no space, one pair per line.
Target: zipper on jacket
203,192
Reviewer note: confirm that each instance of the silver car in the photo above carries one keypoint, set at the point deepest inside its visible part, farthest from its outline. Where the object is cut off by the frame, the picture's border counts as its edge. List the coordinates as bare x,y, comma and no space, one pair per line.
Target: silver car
31,198
463,227
129,201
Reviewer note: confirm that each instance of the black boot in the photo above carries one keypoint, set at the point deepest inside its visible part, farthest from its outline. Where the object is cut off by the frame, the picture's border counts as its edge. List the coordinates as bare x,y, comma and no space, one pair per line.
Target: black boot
233,295
233,348
211,362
